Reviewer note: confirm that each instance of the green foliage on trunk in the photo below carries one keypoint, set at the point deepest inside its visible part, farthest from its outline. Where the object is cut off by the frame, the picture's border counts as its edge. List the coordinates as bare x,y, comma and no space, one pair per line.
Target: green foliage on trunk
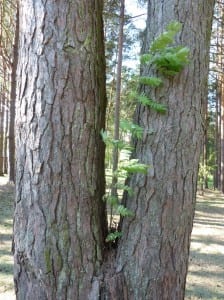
126,167
167,60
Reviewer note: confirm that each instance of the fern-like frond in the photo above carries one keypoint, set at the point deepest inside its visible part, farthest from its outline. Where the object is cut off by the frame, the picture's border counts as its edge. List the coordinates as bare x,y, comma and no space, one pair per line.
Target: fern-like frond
151,81
183,54
145,58
172,60
133,166
111,200
124,211
174,26
126,188
134,129
113,236
162,41
166,38
158,107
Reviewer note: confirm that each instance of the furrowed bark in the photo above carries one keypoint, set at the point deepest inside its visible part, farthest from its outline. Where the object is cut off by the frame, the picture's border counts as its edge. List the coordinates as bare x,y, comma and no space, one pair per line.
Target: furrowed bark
60,220
153,251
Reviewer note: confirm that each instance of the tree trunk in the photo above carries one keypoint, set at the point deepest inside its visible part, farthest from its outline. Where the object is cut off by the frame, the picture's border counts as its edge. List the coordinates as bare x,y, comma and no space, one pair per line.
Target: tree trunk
222,136
218,132
2,117
60,220
11,146
5,145
118,99
153,251
219,184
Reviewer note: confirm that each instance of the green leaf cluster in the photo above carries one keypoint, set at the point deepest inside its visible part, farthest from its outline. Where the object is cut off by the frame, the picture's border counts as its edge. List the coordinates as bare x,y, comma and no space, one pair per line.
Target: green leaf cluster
111,200
125,187
111,237
120,144
168,59
166,38
126,167
160,108
124,211
150,81
134,129
133,166
171,61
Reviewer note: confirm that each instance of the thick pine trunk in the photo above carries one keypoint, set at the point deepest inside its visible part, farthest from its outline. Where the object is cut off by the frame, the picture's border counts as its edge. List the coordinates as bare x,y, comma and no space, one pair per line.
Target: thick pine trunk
60,220
153,252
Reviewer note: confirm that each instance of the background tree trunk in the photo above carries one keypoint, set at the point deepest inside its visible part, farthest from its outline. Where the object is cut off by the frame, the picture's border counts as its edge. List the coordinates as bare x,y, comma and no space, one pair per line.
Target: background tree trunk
1,139
118,99
11,143
60,221
153,251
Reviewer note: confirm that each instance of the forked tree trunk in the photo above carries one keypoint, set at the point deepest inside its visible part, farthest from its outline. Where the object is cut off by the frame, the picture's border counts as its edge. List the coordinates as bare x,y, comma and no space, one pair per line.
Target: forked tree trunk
60,220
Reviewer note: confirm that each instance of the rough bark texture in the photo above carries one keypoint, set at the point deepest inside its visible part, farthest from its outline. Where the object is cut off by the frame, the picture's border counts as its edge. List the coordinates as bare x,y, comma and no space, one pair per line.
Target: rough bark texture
153,252
60,221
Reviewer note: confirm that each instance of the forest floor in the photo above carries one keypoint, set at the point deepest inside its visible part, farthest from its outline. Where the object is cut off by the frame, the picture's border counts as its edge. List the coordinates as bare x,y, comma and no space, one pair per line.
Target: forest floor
205,278
6,260
206,268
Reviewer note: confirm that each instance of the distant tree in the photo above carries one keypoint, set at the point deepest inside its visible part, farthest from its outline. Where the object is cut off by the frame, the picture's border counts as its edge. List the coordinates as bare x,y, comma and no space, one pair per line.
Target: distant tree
7,31
12,102
118,96
111,30
217,90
